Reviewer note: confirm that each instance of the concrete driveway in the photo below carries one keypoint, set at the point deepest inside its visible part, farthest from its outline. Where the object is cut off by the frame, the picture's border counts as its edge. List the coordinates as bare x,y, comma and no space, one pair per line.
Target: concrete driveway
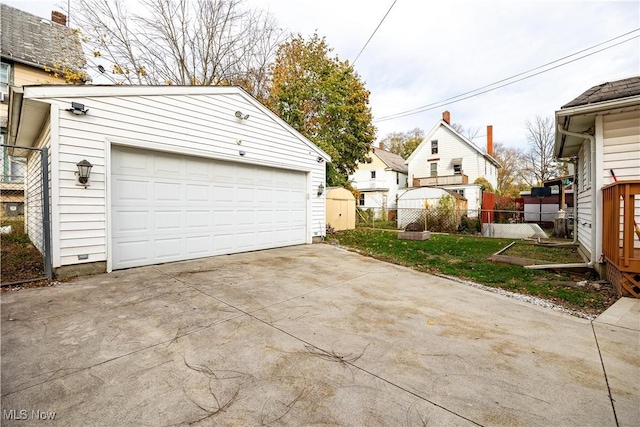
308,335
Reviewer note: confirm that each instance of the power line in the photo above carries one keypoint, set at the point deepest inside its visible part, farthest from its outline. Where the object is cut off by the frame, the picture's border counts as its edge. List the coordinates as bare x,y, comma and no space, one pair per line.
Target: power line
374,32
480,91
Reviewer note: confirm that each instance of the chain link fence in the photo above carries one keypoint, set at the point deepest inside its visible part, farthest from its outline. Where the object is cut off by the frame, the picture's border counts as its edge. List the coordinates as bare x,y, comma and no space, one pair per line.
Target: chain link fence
504,223
24,217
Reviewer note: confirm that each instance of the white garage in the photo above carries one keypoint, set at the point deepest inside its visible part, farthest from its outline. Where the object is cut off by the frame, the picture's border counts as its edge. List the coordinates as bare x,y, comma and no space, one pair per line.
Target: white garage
167,207
178,173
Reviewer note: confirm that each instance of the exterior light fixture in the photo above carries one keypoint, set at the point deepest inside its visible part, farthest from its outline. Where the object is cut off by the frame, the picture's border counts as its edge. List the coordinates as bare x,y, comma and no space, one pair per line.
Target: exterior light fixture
242,152
77,109
84,171
320,159
320,189
241,116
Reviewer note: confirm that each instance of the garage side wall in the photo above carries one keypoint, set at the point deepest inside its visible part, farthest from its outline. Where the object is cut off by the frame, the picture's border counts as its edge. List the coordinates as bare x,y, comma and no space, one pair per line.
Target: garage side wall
197,125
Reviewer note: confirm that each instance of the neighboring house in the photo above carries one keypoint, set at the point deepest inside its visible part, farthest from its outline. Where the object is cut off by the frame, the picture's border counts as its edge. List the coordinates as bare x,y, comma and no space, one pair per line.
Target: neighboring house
32,50
447,159
178,173
379,181
601,129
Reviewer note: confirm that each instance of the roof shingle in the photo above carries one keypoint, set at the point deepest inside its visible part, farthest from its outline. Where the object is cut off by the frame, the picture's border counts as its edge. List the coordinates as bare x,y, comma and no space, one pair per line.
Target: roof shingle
607,92
394,161
37,42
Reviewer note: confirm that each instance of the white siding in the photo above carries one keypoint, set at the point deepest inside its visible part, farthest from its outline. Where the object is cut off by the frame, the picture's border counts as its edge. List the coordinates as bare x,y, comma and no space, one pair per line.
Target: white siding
450,146
583,220
621,152
621,146
200,125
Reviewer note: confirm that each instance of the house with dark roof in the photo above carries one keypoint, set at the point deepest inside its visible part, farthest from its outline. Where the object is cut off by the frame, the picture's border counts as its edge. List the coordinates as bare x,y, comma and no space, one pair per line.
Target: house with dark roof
32,51
448,160
379,180
600,132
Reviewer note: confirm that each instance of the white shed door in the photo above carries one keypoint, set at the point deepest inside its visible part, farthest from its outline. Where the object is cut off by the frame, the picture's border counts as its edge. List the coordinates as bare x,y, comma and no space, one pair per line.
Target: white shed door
167,207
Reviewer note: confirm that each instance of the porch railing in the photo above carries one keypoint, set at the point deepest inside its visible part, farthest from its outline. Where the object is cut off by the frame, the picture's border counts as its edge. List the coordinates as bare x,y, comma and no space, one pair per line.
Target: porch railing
441,180
620,244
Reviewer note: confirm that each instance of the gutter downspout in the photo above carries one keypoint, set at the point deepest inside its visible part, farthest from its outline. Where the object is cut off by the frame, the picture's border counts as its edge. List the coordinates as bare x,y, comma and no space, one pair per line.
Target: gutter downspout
592,262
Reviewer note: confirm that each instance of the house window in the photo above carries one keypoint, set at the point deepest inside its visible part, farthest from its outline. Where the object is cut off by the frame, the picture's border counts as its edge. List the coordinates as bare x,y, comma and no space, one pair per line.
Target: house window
434,169
373,174
460,192
457,165
361,200
4,77
434,146
586,174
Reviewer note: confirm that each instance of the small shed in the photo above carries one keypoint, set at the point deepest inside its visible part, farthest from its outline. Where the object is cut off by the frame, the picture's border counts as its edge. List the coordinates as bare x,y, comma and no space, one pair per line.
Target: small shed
341,209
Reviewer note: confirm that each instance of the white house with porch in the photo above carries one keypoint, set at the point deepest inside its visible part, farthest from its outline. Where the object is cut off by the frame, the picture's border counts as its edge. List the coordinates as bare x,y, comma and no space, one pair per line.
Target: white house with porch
449,160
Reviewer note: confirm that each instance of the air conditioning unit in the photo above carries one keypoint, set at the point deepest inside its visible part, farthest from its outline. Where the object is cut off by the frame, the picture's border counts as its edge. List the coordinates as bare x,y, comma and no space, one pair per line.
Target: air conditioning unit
4,97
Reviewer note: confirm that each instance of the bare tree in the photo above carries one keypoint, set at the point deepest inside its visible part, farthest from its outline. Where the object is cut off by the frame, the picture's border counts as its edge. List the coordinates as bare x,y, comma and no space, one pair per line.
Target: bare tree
183,42
510,177
468,133
540,165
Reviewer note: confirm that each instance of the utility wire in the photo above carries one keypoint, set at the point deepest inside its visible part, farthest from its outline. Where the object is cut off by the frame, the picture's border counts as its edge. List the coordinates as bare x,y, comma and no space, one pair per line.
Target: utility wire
480,91
374,32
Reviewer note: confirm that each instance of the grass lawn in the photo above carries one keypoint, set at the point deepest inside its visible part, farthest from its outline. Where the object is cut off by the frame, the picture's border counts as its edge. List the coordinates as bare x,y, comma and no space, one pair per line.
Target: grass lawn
466,257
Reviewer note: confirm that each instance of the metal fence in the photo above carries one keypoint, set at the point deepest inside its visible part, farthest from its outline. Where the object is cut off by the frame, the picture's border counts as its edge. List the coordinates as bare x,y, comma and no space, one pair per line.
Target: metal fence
491,223
24,216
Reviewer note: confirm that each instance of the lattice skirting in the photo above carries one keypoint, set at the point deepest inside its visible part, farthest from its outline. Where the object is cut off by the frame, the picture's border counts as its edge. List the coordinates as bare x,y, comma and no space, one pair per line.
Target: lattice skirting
625,283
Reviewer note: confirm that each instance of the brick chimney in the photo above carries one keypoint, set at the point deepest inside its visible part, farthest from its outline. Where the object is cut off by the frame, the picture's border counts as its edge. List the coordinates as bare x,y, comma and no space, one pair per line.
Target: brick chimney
490,140
446,116
59,18
381,145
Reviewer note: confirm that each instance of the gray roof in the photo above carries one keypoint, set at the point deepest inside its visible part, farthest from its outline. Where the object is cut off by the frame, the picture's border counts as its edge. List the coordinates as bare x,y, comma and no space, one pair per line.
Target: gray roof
38,42
608,92
394,161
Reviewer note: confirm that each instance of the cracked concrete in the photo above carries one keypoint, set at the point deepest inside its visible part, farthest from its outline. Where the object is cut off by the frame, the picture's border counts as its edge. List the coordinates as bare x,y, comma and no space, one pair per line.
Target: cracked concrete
308,335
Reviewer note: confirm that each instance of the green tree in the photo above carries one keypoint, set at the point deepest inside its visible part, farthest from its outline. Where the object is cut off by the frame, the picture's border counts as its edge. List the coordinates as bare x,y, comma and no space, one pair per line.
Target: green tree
403,143
325,100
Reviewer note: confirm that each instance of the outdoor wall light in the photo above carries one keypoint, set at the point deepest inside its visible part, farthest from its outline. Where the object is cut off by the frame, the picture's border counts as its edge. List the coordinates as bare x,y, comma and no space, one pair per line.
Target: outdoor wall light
320,159
242,152
78,109
241,116
84,171
320,189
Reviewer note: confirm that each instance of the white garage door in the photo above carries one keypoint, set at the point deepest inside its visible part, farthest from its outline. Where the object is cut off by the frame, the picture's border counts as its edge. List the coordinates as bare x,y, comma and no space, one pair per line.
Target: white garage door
166,207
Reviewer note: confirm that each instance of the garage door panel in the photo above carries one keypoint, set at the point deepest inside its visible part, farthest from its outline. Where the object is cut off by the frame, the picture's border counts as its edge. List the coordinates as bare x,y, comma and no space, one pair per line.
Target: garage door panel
166,165
223,194
133,190
198,193
223,243
131,222
198,219
133,252
167,221
206,208
168,192
168,248
199,245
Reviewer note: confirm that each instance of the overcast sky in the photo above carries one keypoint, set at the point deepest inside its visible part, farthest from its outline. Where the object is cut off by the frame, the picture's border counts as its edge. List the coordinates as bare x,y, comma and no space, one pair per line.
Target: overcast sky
428,51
